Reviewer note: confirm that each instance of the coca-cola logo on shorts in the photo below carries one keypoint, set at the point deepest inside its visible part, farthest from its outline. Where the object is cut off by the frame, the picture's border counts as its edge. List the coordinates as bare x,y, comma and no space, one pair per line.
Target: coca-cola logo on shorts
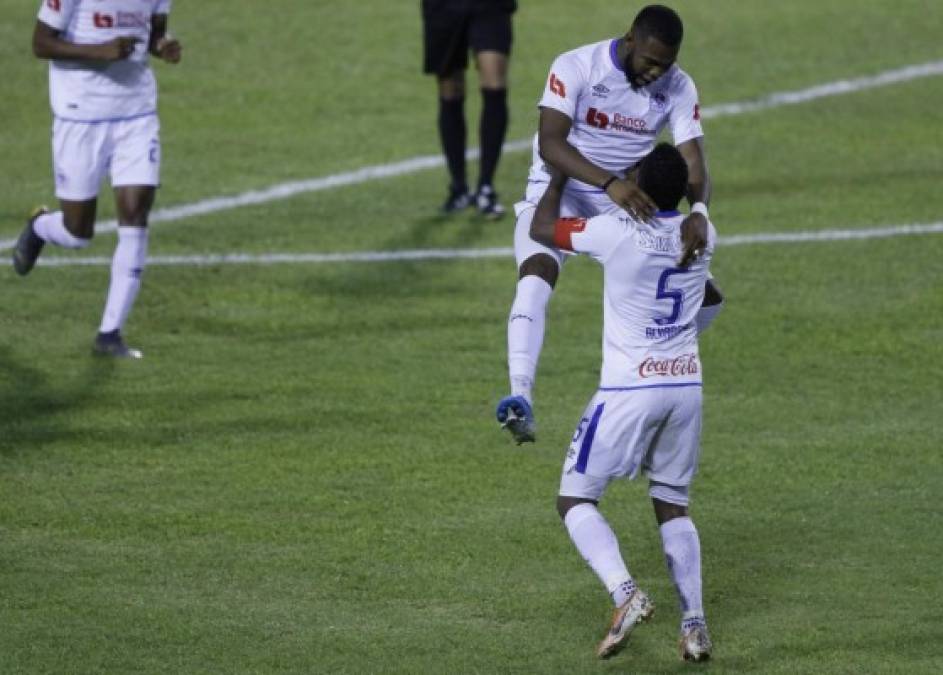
686,364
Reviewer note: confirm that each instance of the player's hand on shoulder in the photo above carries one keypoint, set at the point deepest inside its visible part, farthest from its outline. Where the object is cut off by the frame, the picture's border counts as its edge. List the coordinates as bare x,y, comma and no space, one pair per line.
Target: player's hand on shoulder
694,233
117,49
629,196
169,49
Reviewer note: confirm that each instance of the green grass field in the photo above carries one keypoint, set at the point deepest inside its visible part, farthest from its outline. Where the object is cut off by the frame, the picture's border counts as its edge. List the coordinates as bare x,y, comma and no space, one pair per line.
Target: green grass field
304,474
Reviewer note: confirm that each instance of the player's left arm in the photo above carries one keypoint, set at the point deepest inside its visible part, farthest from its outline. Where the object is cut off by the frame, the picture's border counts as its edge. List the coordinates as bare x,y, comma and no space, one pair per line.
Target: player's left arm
694,227
162,44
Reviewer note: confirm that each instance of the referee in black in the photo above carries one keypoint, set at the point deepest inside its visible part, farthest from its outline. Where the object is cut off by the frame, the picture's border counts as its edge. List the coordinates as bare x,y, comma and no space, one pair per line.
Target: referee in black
450,29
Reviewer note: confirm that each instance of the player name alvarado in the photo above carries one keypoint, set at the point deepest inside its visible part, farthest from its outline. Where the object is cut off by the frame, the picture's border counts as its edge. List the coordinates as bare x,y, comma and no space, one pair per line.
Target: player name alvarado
686,364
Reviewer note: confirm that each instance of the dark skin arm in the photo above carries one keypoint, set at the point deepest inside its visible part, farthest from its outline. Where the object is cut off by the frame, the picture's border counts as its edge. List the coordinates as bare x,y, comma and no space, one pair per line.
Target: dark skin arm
548,211
162,44
552,132
47,44
694,227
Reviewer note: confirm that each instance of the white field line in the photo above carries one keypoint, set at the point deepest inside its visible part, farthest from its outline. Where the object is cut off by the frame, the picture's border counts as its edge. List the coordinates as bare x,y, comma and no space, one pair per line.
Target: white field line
458,253
415,164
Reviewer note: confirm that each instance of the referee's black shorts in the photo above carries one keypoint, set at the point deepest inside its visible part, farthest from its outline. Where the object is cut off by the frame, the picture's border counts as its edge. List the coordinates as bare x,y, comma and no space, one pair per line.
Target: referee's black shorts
452,27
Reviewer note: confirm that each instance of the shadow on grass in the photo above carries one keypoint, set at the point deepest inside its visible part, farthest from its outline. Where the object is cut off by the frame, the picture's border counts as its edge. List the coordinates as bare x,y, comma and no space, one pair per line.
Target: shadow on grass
33,407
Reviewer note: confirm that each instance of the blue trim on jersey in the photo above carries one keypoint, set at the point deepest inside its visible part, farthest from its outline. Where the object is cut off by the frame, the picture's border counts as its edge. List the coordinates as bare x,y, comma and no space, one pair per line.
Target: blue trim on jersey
666,385
667,214
614,54
583,457
110,119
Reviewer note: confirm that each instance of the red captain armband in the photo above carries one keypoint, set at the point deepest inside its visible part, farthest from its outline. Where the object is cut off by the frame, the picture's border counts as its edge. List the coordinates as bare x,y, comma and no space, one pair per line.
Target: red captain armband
563,231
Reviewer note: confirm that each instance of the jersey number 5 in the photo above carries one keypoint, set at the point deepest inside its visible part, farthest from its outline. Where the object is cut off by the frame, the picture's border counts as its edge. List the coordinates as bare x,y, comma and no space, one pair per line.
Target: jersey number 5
676,296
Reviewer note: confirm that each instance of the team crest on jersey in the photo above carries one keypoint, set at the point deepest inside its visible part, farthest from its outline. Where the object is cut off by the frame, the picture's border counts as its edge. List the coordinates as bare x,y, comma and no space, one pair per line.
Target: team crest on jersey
658,102
600,90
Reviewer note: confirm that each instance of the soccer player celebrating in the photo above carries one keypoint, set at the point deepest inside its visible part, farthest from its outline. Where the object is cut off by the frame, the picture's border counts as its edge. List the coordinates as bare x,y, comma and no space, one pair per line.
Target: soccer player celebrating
104,105
601,111
646,415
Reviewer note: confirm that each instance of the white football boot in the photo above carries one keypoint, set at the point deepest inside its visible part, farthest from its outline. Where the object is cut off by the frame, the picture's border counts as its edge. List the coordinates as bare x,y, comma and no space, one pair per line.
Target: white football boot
625,618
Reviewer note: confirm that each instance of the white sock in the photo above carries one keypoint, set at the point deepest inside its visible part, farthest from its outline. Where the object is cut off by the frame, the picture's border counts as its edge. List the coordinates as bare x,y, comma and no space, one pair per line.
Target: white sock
597,543
683,555
705,316
526,332
126,268
50,228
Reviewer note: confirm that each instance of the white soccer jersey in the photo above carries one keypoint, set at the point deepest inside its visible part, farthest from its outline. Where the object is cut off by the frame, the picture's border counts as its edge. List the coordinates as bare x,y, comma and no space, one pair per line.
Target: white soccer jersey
649,336
88,91
615,126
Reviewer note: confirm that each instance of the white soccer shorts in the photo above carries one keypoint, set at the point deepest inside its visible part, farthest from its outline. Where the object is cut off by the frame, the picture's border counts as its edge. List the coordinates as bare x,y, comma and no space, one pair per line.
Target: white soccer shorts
623,432
82,152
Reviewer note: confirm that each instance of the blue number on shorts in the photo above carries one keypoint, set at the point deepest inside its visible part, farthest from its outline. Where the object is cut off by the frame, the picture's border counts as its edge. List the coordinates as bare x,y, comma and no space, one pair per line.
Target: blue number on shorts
676,296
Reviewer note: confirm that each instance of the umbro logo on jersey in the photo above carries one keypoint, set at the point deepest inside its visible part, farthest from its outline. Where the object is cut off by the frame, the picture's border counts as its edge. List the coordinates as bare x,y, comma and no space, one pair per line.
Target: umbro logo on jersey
600,90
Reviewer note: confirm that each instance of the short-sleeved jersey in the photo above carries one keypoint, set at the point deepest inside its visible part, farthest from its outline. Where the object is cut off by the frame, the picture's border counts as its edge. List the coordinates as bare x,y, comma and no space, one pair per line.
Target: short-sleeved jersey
649,334
614,125
89,91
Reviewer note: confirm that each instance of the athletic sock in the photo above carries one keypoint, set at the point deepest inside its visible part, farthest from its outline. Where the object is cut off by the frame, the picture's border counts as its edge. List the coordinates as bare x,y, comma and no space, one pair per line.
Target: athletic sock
683,554
127,266
597,543
526,332
50,228
491,130
453,132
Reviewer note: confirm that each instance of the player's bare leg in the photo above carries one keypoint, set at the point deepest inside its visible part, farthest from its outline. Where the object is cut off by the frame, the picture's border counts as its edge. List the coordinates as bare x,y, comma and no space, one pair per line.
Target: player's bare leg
133,204
71,227
597,543
492,127
682,549
453,133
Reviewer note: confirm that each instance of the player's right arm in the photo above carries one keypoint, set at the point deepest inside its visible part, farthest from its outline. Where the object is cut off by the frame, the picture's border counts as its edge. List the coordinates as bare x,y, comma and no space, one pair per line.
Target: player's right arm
48,43
596,236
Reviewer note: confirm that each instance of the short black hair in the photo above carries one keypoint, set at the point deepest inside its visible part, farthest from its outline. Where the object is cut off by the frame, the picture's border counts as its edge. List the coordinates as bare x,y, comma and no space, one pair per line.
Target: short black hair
663,176
661,23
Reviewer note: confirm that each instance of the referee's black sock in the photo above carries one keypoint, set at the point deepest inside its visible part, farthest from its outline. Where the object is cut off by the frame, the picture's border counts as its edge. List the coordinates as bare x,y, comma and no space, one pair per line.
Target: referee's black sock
452,131
492,129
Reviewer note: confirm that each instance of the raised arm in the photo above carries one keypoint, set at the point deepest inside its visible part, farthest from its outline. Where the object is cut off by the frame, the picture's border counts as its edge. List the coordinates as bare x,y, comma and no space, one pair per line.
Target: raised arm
553,130
48,44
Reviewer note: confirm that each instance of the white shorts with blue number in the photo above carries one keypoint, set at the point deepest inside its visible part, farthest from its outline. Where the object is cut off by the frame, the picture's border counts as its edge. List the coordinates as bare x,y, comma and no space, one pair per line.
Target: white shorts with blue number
652,430
83,152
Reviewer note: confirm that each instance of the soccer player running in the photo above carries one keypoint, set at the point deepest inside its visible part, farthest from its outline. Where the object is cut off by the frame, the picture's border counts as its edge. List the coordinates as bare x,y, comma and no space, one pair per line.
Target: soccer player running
646,415
104,104
601,111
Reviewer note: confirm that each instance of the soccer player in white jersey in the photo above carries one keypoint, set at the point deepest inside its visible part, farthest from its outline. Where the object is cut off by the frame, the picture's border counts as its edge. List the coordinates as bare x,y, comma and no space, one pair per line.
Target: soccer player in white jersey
646,415
104,105
601,111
